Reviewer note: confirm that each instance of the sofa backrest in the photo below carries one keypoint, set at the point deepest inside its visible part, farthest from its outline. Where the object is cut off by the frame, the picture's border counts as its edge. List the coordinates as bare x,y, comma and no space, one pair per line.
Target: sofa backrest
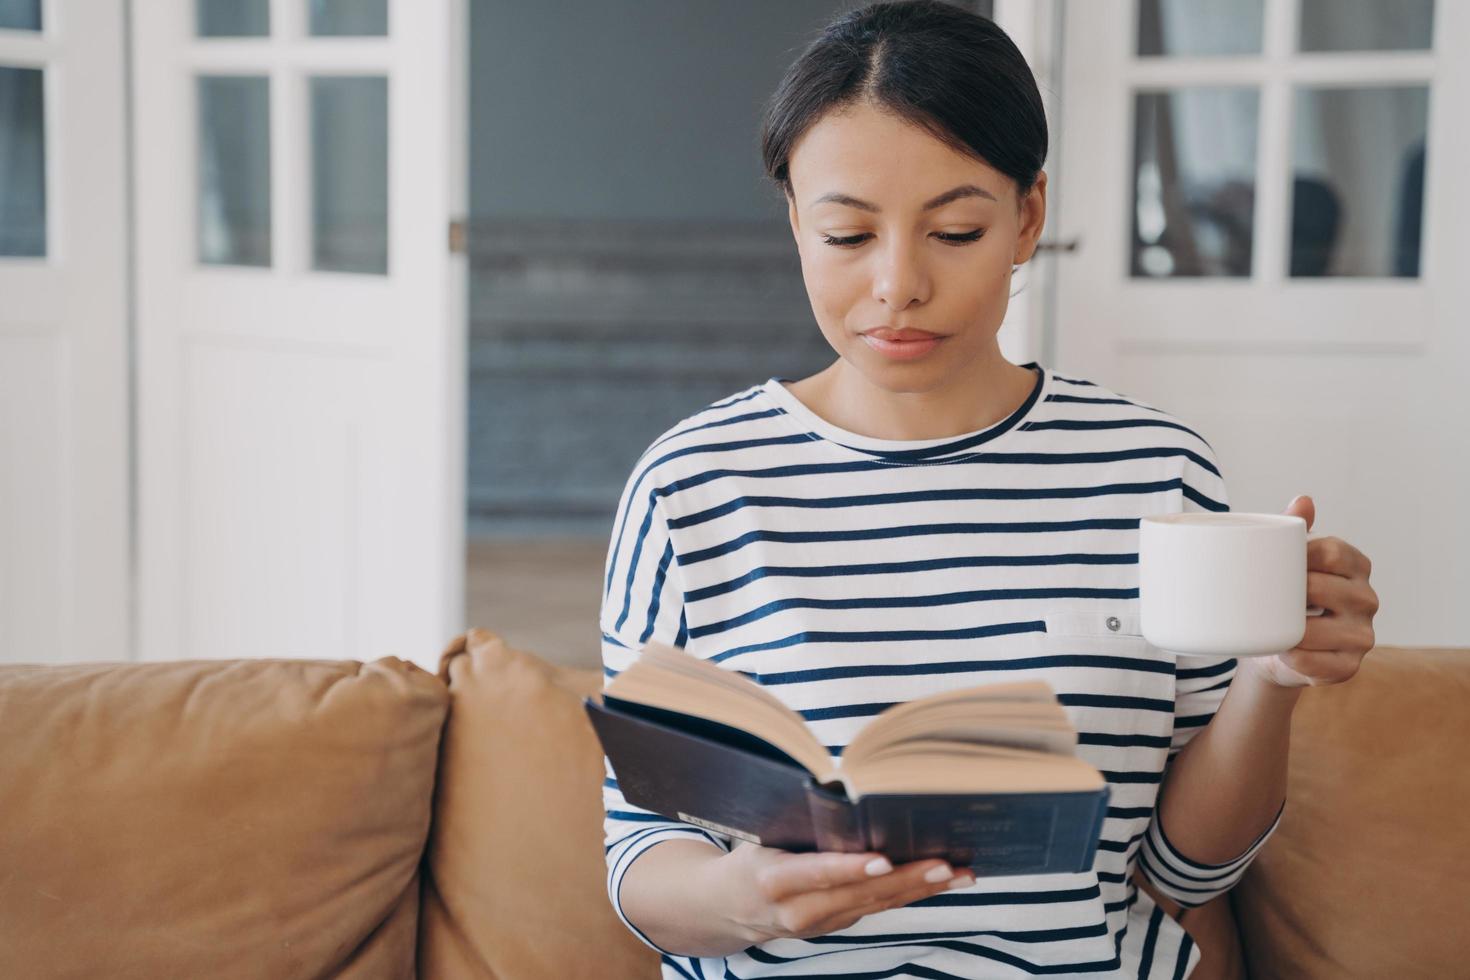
514,882
242,818
1365,877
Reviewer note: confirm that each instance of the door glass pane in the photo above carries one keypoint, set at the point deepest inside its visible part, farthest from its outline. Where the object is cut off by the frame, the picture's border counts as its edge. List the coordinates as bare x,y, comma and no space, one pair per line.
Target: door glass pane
1192,27
349,18
1366,25
234,170
20,15
22,162
1357,203
233,18
1194,182
349,174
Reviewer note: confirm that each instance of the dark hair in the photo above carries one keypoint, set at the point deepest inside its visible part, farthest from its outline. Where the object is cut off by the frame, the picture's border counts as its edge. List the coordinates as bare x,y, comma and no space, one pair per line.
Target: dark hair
947,70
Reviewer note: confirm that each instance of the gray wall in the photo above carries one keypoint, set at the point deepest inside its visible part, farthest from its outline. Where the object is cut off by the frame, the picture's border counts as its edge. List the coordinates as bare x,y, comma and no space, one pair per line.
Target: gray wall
629,263
645,109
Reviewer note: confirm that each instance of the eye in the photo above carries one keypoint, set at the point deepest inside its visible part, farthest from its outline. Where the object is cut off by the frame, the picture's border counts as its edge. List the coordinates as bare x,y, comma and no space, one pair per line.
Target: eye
851,241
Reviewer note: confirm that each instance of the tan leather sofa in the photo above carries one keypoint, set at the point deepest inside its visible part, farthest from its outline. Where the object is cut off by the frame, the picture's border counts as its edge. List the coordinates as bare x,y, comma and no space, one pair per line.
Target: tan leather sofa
288,818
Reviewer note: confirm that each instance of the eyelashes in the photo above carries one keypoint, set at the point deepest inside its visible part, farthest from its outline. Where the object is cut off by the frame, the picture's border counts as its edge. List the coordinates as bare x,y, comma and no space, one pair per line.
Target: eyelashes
851,241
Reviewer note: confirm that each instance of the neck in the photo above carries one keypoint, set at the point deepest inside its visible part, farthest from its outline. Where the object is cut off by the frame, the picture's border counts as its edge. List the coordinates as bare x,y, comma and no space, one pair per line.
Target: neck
982,397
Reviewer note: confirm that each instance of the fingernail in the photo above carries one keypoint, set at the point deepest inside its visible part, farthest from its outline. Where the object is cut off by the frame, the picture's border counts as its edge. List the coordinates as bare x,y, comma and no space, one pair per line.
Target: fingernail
962,881
878,866
937,874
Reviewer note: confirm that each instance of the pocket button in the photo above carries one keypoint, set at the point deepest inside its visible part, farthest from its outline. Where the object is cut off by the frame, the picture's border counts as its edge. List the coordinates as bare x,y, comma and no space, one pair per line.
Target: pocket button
1113,623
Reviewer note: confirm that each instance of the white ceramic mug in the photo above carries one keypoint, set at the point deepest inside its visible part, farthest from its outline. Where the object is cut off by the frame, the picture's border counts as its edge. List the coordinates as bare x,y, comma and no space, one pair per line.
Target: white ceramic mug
1223,584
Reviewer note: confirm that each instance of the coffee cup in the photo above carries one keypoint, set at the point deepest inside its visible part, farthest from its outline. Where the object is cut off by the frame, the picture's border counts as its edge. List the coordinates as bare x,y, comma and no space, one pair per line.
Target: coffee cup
1223,584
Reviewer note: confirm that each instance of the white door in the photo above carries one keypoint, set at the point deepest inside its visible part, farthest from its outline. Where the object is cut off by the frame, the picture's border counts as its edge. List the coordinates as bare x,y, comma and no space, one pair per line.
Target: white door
63,333
302,326
1273,232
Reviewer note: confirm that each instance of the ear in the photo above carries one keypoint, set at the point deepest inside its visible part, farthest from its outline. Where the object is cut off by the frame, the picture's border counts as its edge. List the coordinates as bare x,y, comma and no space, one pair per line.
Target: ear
792,218
1033,218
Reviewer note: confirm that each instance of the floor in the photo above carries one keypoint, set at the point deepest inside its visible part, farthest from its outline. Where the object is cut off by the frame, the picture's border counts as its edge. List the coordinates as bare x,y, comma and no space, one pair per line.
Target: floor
541,595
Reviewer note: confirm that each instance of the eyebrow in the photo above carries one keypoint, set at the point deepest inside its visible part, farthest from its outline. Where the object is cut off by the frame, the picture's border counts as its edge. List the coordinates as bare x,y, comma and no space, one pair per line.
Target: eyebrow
953,194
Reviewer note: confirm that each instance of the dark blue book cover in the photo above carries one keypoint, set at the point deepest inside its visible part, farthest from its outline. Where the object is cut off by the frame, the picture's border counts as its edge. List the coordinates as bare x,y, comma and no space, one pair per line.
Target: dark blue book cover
733,783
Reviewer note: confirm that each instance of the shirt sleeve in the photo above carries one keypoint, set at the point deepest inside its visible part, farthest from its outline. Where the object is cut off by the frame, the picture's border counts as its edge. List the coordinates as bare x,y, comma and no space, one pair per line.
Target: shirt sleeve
642,600
1200,684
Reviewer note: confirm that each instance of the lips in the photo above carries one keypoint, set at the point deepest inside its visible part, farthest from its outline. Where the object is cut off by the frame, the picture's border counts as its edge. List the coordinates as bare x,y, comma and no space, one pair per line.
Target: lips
900,336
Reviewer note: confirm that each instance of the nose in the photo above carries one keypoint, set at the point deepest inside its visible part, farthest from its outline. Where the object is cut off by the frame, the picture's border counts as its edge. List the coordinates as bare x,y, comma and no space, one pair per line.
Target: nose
900,278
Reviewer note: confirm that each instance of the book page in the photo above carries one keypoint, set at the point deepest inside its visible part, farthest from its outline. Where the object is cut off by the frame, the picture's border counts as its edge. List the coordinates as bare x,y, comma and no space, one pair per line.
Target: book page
947,767
668,678
1029,709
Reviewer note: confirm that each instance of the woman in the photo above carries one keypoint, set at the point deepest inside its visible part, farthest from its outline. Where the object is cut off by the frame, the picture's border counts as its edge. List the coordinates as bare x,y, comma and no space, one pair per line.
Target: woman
923,515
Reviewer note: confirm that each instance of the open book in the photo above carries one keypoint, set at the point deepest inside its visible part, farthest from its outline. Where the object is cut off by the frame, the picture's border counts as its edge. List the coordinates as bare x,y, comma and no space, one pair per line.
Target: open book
984,776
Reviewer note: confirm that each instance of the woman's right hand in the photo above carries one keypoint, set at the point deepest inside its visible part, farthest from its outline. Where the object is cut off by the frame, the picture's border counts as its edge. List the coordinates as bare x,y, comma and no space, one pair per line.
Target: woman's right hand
767,893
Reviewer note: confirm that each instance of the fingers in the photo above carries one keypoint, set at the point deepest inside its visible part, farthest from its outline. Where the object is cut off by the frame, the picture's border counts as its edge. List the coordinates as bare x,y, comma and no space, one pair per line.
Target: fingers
963,879
1338,557
801,911
1340,595
796,874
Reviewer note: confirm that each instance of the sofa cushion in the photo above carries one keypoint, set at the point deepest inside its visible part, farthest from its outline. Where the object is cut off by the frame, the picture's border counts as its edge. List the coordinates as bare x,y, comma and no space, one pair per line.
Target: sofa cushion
515,880
243,818
1365,876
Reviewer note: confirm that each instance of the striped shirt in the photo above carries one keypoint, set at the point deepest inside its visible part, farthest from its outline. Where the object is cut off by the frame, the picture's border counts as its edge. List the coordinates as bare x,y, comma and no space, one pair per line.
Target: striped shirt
848,573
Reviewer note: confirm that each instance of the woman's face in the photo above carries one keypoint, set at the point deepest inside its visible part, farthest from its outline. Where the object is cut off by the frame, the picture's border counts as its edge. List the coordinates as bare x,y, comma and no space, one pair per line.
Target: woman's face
886,219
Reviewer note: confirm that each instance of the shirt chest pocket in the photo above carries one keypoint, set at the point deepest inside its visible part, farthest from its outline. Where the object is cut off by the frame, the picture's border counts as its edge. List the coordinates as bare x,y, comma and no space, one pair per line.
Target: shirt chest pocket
1115,626
1117,688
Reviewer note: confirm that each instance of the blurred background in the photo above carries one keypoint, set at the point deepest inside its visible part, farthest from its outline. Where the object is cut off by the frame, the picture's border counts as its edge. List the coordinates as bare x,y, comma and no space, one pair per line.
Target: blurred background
331,327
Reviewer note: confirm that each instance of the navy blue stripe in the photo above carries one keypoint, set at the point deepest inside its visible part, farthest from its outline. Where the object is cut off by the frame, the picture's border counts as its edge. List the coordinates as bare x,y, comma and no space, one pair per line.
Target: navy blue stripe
871,465
1207,503
1129,741
898,567
874,636
1083,400
959,445
905,602
926,496
1186,943
1129,812
1190,673
916,938
1145,777
1115,701
1121,846
657,590
1073,381
1088,700
915,530
1082,425
633,562
965,666
930,973
1051,897
1150,939
732,420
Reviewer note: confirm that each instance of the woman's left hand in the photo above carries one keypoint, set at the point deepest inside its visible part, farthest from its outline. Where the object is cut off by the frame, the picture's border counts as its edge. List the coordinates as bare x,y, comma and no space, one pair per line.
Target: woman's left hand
1335,642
